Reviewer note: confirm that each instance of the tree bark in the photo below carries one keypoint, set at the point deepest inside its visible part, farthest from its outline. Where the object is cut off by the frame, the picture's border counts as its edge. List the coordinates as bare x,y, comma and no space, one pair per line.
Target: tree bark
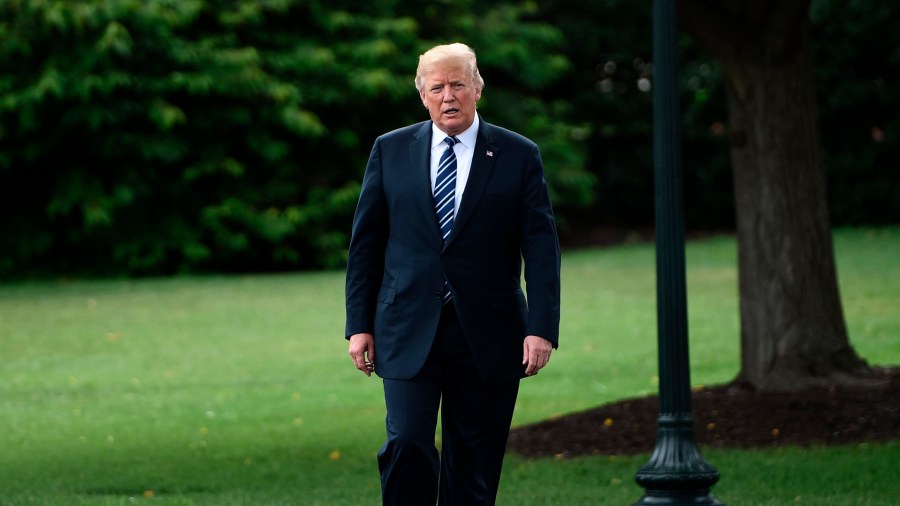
793,334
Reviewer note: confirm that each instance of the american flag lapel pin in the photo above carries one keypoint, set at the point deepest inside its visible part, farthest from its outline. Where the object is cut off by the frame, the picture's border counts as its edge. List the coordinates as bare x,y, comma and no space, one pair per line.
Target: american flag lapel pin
490,153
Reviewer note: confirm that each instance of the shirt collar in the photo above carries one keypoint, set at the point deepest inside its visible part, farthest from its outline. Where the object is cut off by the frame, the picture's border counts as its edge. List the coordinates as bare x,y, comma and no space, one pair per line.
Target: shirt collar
467,138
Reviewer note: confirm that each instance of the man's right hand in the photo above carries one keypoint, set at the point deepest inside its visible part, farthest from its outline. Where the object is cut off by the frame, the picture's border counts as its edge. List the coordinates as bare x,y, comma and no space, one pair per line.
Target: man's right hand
362,352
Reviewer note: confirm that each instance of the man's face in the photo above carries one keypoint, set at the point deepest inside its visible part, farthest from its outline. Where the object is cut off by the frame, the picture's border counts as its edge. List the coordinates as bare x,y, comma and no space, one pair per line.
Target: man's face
450,97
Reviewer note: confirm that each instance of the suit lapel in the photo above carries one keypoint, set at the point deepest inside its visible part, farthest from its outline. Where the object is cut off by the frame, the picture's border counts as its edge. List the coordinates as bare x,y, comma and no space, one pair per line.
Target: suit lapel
419,160
479,174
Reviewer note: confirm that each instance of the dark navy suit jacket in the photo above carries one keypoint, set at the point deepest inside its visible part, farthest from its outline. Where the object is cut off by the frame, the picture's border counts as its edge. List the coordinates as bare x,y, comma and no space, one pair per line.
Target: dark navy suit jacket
398,261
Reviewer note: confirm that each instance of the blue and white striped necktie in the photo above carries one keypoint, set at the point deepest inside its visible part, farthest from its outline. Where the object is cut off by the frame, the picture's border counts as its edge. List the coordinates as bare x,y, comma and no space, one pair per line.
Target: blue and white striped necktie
445,196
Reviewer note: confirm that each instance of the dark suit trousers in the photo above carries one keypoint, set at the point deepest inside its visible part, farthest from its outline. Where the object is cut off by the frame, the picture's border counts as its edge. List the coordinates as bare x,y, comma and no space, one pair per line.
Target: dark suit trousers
475,420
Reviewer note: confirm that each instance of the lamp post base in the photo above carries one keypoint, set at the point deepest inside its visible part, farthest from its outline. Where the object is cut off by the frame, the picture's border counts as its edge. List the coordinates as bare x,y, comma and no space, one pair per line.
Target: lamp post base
678,498
677,474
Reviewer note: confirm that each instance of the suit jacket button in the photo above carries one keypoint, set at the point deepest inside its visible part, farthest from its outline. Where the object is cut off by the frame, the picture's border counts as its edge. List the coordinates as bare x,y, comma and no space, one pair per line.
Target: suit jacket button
438,295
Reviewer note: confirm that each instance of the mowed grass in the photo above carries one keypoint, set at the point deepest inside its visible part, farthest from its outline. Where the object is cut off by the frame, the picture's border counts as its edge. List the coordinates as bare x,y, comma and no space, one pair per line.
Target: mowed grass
238,390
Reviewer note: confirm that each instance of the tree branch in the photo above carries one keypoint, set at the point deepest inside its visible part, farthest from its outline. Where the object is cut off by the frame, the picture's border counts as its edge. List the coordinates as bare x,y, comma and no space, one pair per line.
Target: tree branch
715,29
782,25
721,28
784,16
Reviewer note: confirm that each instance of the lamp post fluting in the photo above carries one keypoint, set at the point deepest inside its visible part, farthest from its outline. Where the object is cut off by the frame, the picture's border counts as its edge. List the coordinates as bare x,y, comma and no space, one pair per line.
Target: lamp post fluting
676,473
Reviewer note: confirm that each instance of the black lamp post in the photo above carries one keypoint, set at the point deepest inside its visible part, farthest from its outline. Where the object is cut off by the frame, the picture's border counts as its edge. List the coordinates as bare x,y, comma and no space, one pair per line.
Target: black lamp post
676,474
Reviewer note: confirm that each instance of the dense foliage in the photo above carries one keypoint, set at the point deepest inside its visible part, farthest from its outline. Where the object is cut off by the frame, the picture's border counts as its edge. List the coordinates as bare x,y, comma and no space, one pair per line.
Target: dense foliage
857,56
161,136
856,53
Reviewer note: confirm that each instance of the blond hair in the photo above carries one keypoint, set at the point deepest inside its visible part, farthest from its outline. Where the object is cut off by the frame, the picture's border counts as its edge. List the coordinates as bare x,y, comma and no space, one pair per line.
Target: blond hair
449,54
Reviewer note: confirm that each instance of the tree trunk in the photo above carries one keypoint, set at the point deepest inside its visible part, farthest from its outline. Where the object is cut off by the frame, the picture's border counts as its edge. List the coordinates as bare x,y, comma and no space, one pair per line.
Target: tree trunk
793,334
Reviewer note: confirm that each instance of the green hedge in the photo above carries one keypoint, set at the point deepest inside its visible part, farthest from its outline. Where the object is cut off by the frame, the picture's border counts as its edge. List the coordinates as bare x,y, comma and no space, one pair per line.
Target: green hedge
152,137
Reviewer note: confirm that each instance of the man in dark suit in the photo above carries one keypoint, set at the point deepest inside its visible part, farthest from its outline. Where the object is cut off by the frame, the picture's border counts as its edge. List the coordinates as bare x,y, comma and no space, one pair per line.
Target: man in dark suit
448,211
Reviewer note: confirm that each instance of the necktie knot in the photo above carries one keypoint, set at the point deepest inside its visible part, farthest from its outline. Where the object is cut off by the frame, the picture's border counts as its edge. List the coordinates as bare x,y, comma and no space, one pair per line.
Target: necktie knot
451,141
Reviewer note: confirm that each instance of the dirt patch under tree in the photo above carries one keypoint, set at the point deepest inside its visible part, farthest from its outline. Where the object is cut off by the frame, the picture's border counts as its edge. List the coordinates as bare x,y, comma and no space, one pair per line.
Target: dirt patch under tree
725,418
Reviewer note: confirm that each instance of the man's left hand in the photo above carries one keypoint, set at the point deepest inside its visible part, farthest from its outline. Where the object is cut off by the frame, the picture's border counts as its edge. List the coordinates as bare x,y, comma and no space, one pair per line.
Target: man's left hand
536,353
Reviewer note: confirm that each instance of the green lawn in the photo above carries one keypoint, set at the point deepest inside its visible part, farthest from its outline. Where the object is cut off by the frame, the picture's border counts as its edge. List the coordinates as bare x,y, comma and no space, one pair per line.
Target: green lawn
238,390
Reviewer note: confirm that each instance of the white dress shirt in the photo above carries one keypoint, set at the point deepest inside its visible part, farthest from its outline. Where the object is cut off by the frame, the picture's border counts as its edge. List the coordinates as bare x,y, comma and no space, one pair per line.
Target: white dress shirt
464,150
